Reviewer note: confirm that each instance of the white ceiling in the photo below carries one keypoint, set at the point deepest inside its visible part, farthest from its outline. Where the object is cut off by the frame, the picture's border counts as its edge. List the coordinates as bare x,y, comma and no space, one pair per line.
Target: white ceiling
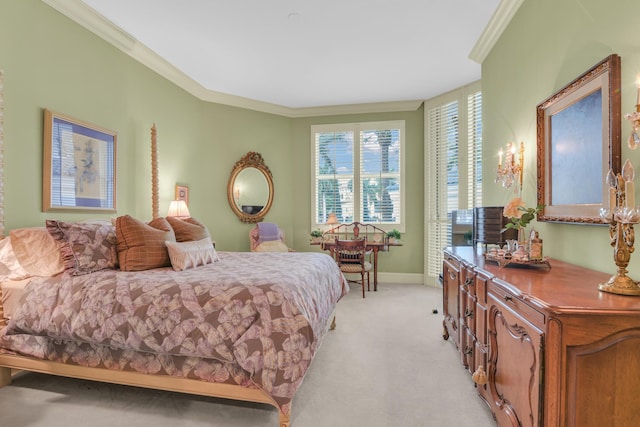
303,54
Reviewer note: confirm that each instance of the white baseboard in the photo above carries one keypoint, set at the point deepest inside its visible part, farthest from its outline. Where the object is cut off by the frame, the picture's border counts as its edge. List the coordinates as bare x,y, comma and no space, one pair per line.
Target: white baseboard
400,278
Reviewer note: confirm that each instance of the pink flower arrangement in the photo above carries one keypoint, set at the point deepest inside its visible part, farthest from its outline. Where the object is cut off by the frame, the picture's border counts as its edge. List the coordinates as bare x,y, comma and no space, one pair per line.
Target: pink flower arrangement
519,214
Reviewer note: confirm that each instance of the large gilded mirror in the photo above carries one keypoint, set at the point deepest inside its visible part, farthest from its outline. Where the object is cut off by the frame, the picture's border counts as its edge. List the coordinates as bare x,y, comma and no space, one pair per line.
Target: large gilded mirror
250,188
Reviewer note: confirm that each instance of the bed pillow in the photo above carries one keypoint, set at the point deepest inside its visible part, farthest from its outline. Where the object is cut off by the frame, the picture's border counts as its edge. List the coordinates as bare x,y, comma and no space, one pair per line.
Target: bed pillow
188,229
85,247
37,252
141,245
10,268
185,255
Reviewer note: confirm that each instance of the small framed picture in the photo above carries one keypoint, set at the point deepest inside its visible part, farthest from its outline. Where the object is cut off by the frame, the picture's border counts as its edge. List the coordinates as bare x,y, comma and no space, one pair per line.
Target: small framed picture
182,193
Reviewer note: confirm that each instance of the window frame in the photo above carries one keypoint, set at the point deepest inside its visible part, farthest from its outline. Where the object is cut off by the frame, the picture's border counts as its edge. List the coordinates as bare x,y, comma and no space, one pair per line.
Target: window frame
356,128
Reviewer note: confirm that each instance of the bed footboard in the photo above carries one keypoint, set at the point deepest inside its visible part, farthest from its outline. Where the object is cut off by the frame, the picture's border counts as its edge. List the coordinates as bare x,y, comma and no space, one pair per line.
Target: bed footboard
175,384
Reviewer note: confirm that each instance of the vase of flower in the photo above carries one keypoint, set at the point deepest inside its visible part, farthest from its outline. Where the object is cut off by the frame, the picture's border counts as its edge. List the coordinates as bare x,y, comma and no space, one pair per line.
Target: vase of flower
520,216
522,236
523,249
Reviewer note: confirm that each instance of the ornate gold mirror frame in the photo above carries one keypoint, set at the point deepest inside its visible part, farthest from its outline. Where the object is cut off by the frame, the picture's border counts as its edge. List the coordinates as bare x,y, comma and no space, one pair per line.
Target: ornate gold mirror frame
250,188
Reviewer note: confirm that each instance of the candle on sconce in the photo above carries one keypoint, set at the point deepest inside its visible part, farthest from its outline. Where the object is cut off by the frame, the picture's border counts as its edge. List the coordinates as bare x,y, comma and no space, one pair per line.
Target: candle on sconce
500,158
638,86
513,154
628,174
611,180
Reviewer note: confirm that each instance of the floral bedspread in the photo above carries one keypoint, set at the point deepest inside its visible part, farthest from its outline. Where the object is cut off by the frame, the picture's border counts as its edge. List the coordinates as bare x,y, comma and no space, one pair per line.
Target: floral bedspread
252,319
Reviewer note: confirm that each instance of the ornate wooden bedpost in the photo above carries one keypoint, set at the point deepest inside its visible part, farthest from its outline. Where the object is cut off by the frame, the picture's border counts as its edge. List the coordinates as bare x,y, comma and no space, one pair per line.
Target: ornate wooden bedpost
155,205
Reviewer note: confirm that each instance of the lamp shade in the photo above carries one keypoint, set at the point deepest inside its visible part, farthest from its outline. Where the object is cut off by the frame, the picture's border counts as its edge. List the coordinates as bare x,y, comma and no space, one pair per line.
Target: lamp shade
178,208
333,219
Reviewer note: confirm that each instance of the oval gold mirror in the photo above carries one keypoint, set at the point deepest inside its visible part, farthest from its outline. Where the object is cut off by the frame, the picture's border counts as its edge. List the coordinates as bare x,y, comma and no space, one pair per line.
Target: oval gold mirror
250,189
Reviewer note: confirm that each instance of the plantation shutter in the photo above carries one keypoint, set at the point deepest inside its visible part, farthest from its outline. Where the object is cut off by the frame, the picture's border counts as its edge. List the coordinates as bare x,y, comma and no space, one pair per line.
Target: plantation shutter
358,173
453,167
442,181
380,176
474,149
334,176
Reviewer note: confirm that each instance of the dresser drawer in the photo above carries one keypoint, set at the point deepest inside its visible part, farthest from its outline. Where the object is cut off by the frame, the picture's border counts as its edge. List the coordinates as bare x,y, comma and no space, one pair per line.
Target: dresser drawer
517,305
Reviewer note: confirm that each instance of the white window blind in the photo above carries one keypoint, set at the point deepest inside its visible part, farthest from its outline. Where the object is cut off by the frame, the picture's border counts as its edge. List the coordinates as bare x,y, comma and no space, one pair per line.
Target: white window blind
453,168
358,173
474,149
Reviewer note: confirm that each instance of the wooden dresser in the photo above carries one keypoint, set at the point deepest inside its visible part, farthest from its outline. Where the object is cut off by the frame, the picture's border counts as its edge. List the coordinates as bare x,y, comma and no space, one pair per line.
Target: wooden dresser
556,350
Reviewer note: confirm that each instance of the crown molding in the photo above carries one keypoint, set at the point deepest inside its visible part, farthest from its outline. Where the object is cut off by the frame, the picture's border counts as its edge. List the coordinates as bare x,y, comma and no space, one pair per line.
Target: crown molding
80,13
492,32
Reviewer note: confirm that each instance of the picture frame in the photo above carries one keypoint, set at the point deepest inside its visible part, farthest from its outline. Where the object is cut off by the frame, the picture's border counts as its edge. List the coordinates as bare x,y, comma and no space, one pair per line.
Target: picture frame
182,193
578,142
79,165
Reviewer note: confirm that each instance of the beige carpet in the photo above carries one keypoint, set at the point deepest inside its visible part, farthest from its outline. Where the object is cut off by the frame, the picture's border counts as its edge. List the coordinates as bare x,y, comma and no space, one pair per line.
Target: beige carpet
386,365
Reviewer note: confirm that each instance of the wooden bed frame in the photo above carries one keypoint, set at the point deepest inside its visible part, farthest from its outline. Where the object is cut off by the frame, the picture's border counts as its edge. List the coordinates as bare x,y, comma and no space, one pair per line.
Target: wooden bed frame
12,364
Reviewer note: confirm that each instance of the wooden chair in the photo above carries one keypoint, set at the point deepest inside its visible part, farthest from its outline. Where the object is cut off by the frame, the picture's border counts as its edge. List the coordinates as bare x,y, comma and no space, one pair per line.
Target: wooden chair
351,258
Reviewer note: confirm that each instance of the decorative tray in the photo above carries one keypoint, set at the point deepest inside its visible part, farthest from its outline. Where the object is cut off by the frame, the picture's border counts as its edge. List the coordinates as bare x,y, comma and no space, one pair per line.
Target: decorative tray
506,259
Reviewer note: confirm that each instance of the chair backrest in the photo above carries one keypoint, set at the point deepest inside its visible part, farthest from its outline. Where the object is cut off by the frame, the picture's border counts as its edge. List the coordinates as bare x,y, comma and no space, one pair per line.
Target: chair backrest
350,251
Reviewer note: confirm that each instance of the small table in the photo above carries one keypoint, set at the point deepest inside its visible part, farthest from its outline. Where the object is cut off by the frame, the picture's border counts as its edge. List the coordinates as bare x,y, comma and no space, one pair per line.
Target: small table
372,246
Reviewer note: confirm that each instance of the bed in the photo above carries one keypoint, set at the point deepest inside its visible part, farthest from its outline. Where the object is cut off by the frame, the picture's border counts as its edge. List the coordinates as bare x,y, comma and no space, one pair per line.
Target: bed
237,325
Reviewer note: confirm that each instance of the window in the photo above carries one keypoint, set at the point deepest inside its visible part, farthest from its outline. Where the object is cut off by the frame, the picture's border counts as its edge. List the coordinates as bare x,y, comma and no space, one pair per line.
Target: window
453,167
358,173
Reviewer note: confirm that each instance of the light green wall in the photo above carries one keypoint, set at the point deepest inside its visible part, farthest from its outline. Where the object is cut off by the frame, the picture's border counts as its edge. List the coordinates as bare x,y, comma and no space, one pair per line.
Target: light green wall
548,44
51,62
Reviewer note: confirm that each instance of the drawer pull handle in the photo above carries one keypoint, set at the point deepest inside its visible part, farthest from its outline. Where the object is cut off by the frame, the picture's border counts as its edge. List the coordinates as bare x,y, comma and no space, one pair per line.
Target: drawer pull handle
468,313
479,376
451,275
468,350
468,281
508,298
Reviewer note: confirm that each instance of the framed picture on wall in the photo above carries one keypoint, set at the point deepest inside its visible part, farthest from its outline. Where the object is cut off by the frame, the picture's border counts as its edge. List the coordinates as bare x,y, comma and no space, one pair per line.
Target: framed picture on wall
182,193
578,143
79,165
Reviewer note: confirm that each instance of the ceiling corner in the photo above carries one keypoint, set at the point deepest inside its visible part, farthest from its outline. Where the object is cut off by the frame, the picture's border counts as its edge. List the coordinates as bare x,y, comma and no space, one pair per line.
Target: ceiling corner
499,21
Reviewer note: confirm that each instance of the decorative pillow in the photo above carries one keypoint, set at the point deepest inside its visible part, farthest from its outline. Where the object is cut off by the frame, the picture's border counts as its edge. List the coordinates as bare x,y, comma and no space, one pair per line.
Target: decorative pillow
272,246
188,229
191,254
37,252
141,246
85,247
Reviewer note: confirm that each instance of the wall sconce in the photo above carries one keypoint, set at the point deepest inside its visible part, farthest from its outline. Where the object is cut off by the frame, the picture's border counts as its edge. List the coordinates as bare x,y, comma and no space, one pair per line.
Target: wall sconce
179,209
634,118
510,171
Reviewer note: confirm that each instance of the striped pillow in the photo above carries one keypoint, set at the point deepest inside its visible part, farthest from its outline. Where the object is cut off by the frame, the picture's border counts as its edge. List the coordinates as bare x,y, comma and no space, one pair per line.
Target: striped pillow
141,245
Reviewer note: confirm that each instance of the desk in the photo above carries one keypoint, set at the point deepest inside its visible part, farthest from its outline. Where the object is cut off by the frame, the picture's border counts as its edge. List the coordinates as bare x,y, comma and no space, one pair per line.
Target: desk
372,246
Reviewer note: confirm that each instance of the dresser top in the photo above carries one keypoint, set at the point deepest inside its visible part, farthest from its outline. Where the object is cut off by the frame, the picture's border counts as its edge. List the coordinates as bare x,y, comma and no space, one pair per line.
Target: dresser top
562,288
